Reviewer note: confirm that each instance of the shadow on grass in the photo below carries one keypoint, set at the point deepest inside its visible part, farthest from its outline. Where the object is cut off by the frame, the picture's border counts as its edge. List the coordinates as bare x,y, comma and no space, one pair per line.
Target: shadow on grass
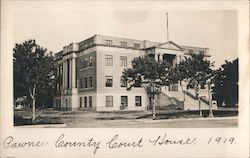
20,121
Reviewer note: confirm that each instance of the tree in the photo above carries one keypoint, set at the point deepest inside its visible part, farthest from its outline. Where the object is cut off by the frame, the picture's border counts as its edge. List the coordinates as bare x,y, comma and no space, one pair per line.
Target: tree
45,94
149,73
196,69
226,83
219,94
33,71
178,74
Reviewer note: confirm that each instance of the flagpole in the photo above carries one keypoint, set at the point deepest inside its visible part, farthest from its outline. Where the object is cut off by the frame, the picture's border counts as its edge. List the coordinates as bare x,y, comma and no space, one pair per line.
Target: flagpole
167,27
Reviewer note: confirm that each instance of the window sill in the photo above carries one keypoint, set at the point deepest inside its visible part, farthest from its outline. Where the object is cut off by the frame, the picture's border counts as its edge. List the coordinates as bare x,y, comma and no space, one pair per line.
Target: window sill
85,68
85,88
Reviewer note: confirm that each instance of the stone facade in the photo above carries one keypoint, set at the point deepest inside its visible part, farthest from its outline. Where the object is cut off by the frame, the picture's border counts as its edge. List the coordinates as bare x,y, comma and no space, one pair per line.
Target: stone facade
89,72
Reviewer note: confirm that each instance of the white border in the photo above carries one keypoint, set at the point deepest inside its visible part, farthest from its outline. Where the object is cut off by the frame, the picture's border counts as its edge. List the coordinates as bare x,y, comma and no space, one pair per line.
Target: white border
240,149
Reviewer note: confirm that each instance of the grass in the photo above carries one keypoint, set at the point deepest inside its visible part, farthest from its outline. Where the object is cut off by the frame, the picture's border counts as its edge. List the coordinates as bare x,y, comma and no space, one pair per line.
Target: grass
20,120
23,117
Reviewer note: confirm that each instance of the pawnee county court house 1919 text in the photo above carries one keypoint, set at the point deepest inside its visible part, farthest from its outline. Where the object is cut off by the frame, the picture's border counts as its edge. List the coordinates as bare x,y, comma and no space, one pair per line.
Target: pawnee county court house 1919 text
89,75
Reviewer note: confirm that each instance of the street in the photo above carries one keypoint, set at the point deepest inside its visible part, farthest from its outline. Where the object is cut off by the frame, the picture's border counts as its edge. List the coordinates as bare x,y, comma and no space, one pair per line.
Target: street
149,123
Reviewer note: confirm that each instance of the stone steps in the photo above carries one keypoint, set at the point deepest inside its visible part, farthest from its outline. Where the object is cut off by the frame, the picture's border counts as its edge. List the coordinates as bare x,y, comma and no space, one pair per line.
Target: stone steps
190,103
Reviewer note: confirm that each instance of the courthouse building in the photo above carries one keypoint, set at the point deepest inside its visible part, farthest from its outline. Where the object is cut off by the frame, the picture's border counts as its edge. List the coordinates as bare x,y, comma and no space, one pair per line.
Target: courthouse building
89,74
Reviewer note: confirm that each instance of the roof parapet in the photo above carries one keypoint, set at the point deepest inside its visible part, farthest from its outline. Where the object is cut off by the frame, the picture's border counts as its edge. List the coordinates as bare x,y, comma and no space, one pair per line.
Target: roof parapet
73,47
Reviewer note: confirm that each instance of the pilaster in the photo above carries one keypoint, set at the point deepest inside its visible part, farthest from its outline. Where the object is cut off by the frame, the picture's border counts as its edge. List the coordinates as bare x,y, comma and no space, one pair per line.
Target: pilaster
70,73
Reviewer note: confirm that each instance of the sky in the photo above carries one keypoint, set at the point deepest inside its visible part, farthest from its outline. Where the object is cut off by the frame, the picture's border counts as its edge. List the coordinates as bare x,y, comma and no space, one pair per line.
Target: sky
55,25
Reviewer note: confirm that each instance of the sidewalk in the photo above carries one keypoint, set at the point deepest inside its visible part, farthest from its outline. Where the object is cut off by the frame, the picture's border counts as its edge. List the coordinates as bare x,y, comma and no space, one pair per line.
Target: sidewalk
44,126
189,119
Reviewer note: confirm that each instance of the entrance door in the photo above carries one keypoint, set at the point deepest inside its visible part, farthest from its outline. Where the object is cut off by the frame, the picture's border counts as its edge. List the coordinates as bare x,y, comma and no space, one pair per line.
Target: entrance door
170,59
124,102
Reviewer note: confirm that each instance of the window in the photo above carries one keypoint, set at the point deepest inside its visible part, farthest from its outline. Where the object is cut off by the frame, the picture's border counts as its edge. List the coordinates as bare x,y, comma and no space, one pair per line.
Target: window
90,82
58,71
109,60
59,104
137,45
81,47
173,87
109,81
190,51
108,42
123,82
137,82
90,42
124,44
85,45
86,82
137,100
124,101
81,83
66,103
85,101
202,52
151,56
90,101
109,101
85,63
123,60
61,70
80,102
58,87
90,61
81,63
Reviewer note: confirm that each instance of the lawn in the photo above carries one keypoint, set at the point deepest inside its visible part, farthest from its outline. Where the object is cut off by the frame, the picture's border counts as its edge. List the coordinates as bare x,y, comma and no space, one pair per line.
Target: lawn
23,117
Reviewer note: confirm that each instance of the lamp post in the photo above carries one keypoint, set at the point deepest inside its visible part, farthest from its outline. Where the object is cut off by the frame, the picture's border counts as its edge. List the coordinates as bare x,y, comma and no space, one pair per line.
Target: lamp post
210,98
